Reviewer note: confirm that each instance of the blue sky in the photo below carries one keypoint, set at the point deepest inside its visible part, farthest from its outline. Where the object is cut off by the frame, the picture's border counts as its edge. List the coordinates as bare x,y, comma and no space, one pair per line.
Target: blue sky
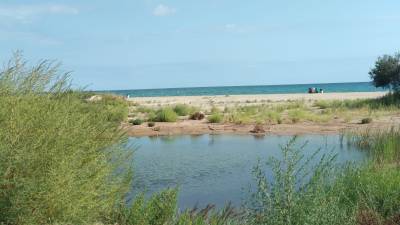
132,44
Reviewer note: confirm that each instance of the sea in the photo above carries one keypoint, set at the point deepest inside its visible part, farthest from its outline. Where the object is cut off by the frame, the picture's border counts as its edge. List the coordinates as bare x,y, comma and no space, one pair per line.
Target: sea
247,90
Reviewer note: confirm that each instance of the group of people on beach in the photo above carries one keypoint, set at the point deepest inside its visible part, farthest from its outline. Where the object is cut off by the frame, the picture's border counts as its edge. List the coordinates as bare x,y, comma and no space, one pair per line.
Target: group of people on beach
313,90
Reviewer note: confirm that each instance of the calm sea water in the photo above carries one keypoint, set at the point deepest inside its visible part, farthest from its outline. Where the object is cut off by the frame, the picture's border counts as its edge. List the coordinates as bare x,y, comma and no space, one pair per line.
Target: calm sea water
244,90
216,168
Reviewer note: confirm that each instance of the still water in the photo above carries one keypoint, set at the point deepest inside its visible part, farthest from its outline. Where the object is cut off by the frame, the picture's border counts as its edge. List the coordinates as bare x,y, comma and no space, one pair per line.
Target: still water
217,169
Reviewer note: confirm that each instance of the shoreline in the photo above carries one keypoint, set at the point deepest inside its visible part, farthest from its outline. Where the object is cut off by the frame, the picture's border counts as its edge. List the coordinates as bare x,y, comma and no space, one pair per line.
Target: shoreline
195,127
203,127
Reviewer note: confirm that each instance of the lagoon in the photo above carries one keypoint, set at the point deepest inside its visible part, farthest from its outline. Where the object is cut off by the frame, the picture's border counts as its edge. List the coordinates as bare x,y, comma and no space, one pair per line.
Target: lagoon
216,169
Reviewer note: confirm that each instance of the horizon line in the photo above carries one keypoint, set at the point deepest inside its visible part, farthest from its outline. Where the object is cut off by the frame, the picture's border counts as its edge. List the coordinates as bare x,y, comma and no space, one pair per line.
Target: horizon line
225,86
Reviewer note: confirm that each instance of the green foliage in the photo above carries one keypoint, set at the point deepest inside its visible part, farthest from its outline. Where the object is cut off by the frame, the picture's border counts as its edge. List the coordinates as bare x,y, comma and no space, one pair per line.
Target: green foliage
166,115
383,145
136,122
371,188
159,209
296,115
215,118
143,109
271,116
366,120
151,124
298,193
58,152
210,216
183,110
374,187
386,73
387,100
62,162
116,106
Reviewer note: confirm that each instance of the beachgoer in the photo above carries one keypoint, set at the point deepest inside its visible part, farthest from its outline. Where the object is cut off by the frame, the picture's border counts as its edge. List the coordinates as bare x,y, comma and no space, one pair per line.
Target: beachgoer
321,90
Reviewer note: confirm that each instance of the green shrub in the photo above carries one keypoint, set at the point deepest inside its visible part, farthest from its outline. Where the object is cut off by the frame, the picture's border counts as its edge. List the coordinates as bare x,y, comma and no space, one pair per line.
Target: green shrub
182,110
322,104
166,115
159,209
366,120
58,153
383,145
298,193
296,115
143,109
136,122
215,118
116,107
372,189
151,124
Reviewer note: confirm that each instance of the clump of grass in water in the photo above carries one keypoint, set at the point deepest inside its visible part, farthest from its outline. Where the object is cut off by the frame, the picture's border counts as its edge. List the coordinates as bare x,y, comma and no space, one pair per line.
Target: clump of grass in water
383,145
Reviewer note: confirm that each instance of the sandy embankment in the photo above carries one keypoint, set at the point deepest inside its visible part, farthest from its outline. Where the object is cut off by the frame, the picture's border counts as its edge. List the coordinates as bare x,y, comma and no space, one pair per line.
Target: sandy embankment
205,102
229,100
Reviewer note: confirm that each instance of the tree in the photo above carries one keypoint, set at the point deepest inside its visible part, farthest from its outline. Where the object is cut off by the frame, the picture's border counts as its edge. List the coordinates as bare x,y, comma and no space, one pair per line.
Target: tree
386,73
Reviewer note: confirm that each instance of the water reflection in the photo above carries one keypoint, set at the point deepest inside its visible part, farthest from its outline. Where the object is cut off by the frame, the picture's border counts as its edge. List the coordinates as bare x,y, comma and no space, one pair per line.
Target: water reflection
215,168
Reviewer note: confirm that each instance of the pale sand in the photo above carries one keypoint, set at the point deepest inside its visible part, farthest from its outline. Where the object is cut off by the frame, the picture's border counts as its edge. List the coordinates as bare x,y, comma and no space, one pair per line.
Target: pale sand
205,102
229,100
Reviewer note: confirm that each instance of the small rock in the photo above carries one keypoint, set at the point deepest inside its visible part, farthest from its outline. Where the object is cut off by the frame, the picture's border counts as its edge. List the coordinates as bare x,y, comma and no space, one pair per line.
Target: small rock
197,116
258,129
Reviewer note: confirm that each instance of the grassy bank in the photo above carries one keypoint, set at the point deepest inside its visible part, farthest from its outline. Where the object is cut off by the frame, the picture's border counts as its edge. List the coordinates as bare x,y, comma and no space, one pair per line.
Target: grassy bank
63,160
300,192
287,112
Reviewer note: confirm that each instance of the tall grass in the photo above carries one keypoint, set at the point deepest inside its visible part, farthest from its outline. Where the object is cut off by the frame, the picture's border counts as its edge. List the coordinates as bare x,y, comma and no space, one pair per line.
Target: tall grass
382,144
58,152
390,100
166,115
62,162
215,118
326,193
184,110
298,193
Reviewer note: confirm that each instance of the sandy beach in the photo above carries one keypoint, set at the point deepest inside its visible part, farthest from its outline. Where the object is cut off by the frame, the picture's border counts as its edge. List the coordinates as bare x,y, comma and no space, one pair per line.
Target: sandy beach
231,100
195,127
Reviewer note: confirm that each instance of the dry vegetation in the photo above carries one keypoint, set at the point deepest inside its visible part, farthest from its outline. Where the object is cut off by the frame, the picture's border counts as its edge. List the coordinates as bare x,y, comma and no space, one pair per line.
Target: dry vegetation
272,113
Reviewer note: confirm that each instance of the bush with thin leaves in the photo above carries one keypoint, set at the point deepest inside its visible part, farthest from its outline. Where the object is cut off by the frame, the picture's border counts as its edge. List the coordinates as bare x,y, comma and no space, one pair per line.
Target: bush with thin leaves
166,115
298,193
58,152
215,118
